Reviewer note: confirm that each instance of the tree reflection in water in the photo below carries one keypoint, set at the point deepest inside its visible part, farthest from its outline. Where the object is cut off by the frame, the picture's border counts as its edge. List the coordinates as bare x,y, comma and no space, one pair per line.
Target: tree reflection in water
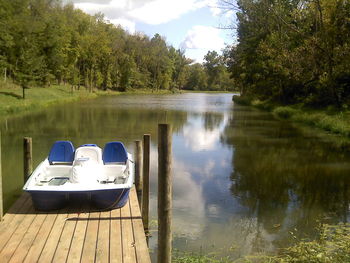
288,181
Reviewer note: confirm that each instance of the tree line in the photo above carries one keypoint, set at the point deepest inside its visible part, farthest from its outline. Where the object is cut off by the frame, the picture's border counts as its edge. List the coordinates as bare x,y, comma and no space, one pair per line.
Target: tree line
44,42
292,51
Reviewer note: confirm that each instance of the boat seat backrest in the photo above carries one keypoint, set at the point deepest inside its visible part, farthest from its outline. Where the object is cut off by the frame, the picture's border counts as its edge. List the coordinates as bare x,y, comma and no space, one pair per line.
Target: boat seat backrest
62,152
114,152
93,153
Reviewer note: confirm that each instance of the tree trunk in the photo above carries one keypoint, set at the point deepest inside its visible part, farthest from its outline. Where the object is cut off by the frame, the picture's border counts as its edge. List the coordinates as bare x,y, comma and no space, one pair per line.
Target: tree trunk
23,92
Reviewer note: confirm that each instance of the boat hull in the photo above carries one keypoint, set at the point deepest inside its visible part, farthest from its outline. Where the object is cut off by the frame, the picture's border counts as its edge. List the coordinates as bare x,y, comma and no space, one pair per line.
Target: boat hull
100,199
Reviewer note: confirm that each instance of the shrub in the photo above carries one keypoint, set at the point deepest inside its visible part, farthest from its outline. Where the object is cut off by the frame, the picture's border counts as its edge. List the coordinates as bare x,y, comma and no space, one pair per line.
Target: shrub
284,112
245,101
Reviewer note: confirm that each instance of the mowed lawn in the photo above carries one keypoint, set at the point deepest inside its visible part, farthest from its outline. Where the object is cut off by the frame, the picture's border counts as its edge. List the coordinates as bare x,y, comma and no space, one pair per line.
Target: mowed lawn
11,100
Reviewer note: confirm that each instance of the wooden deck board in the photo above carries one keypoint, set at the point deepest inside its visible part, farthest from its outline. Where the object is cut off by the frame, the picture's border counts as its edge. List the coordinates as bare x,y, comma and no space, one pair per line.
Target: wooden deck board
73,234
142,252
79,237
50,246
63,246
90,241
9,227
115,244
13,211
17,236
128,241
102,248
40,240
28,238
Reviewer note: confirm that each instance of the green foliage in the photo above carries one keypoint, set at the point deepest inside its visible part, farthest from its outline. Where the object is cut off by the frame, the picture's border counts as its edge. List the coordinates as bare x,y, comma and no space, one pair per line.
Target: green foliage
333,246
334,122
45,42
186,257
11,97
284,112
293,51
242,100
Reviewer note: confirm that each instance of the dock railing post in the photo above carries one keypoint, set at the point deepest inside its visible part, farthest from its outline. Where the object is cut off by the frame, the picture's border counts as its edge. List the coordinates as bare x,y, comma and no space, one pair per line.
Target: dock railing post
145,188
27,158
138,171
1,190
164,193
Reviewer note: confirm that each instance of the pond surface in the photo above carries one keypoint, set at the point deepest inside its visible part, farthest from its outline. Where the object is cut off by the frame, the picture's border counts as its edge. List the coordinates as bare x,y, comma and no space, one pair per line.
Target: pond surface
243,181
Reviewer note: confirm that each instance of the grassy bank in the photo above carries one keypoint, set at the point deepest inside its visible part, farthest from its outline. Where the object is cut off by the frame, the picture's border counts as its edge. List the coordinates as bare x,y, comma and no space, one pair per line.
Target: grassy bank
331,246
330,120
12,102
209,91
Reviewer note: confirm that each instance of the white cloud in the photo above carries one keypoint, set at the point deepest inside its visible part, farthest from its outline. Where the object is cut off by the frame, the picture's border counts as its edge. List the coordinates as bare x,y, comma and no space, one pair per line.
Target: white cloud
188,200
203,37
199,140
124,23
214,7
152,12
163,11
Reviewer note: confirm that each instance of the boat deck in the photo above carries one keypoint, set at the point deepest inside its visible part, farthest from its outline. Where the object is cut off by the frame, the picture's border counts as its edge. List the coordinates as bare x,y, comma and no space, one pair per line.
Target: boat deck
74,234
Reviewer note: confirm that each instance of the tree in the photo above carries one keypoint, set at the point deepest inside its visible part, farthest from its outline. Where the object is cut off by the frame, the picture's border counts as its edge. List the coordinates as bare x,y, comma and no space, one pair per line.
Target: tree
292,51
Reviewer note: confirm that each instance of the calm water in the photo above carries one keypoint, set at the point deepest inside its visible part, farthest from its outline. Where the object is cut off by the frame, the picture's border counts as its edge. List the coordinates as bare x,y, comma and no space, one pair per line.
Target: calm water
242,180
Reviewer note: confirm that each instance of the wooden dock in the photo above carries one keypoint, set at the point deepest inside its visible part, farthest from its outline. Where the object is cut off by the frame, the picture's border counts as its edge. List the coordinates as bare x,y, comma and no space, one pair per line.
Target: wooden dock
74,234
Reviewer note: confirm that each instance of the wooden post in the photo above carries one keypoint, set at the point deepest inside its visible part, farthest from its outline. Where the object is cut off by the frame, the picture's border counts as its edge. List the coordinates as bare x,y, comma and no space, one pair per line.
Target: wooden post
1,192
27,158
145,189
164,193
138,171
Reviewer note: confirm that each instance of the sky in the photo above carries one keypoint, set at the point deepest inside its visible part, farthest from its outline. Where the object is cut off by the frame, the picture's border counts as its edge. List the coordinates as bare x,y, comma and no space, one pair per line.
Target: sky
191,25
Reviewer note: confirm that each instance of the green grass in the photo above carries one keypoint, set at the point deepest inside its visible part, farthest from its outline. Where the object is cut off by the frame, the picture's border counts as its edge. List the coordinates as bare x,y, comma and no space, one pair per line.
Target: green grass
209,91
189,257
245,101
331,121
332,246
335,122
11,101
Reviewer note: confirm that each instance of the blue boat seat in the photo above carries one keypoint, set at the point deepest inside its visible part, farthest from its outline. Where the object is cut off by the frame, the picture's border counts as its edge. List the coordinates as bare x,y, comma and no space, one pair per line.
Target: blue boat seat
62,152
114,152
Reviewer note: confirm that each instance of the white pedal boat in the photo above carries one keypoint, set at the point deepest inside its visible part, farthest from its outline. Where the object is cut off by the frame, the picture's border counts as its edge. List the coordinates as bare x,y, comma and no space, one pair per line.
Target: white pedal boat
104,178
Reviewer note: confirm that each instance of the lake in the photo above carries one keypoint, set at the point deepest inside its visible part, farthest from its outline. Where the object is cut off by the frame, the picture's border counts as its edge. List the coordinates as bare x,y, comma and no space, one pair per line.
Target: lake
243,182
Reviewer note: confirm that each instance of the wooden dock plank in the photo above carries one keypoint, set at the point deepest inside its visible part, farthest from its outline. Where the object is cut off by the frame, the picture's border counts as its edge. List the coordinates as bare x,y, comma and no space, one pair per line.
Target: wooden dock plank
116,255
9,227
13,211
79,236
66,238
17,236
128,242
102,248
53,238
41,238
28,238
142,251
90,241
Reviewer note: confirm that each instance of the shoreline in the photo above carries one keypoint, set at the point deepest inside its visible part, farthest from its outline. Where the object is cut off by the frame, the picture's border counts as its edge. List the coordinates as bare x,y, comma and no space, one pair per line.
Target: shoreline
330,121
12,104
